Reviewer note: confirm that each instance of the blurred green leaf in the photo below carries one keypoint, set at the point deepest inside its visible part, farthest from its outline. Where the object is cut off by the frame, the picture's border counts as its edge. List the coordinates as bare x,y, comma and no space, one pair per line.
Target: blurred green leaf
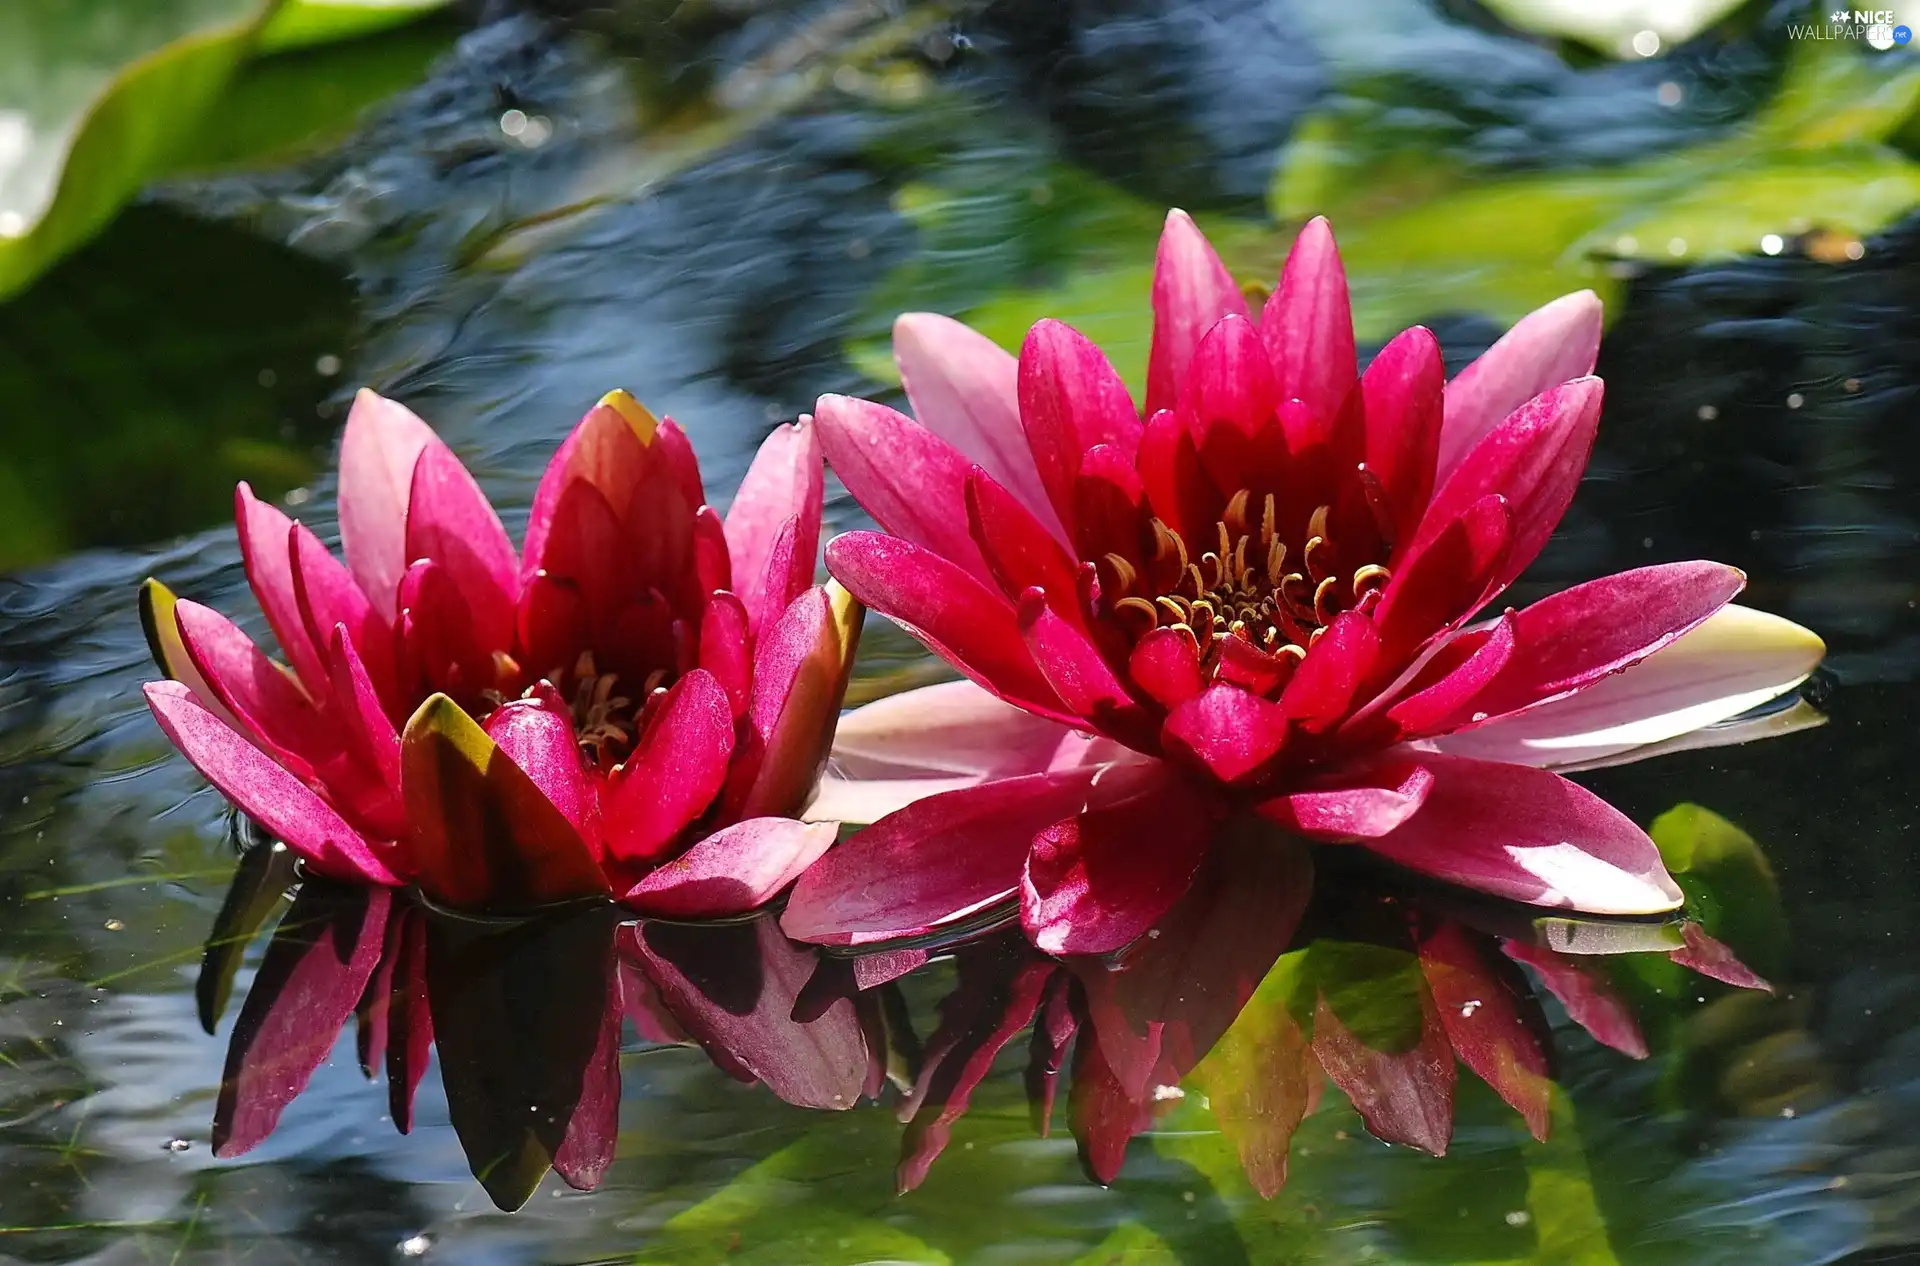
1728,881
301,23
94,99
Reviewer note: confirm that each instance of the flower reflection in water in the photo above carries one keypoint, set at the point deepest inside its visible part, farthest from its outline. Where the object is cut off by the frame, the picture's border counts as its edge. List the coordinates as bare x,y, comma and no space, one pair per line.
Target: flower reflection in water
1265,981
525,1012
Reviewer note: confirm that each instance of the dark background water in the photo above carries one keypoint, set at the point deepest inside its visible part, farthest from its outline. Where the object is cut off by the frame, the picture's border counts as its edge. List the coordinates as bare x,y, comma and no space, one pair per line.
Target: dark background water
724,206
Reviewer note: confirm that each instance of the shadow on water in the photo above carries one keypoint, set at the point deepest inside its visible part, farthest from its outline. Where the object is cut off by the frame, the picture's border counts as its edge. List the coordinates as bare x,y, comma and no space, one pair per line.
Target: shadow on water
719,210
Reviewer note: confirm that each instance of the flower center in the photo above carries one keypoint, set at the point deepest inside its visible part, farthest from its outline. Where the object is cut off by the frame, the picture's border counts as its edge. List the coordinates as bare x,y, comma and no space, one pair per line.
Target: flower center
606,719
1249,584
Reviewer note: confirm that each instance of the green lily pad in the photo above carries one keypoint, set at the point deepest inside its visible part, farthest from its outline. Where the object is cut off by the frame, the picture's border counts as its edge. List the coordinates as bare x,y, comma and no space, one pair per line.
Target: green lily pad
302,23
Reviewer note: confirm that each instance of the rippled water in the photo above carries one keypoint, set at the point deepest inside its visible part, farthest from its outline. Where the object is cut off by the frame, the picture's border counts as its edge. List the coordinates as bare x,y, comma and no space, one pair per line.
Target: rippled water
718,216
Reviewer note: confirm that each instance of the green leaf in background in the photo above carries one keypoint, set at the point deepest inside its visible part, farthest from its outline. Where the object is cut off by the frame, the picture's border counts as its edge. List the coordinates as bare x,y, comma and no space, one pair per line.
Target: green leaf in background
302,23
98,97
1421,234
93,98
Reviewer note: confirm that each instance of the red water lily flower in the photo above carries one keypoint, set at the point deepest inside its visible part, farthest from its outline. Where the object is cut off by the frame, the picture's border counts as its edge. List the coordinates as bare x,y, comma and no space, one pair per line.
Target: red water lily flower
1252,595
633,706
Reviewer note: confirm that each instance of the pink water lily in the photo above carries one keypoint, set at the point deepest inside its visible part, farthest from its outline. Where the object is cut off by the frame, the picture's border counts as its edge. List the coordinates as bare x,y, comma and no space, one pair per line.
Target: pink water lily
633,705
1255,594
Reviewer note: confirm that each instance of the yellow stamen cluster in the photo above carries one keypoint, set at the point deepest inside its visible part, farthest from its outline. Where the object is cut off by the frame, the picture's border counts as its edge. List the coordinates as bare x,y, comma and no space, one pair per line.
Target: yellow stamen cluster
1243,587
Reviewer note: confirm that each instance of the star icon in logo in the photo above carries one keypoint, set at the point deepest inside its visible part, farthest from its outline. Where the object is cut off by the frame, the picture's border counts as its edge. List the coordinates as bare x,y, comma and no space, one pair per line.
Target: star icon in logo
1838,17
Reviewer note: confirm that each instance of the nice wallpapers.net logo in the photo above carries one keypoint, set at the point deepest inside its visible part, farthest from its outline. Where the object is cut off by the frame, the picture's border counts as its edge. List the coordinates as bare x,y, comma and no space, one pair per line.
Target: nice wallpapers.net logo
1880,28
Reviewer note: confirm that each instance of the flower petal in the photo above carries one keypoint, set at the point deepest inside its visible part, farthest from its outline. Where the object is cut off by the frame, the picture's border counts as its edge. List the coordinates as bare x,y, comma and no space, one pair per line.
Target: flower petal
1070,400
800,673
1228,733
934,861
269,702
313,975
1534,458
1324,687
677,768
909,479
1078,673
483,835
536,734
1308,326
1491,1018
1401,391
1166,665
382,441
263,790
1736,659
450,521
160,621
1192,290
1097,880
1019,552
736,869
785,482
963,620
326,596
1444,580
263,533
1438,698
1709,957
1532,836
1589,998
1549,345
965,389
1364,804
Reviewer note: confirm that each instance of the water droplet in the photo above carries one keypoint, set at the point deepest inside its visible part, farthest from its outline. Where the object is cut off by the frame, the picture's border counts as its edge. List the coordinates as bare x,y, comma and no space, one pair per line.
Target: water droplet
177,1145
1646,43
1706,412
114,925
1519,1217
1795,400
1671,94
416,1245
514,122
1772,244
1788,1113
1469,1007
327,365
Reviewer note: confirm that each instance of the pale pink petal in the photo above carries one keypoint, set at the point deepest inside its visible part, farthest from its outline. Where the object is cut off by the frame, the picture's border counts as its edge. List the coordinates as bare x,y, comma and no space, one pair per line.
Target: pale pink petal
1192,290
382,441
1550,345
785,482
733,870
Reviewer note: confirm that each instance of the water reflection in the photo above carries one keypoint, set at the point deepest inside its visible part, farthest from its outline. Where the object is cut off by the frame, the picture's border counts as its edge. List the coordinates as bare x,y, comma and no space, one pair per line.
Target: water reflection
1277,973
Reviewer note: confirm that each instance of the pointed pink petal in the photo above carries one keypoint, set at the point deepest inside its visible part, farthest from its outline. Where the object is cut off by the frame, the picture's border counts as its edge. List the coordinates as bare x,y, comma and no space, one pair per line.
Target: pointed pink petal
786,481
264,791
1020,553
965,389
1491,1018
1529,835
1576,637
1709,957
450,521
1070,400
261,693
736,869
616,452
677,768
1364,804
1550,345
382,441
1444,580
1534,458
1308,326
934,861
1097,880
1192,290
1078,673
537,736
958,617
909,479
800,672
1401,391
726,648
263,548
1228,733
1429,709
326,597
368,734
1589,998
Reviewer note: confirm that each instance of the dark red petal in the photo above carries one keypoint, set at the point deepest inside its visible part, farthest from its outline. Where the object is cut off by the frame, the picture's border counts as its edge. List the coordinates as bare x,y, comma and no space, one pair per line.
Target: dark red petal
1403,1095
677,768
1070,400
537,735
1443,581
1177,489
409,1019
1165,664
957,616
713,567
1323,689
1019,551
1245,665
1226,732
1107,504
931,862
1097,880
1491,1018
1078,673
726,648
1228,402
1429,709
1711,958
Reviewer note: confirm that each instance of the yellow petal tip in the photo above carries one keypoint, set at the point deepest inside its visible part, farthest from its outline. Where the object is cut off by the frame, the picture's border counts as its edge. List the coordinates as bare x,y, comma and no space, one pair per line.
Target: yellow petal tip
638,417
